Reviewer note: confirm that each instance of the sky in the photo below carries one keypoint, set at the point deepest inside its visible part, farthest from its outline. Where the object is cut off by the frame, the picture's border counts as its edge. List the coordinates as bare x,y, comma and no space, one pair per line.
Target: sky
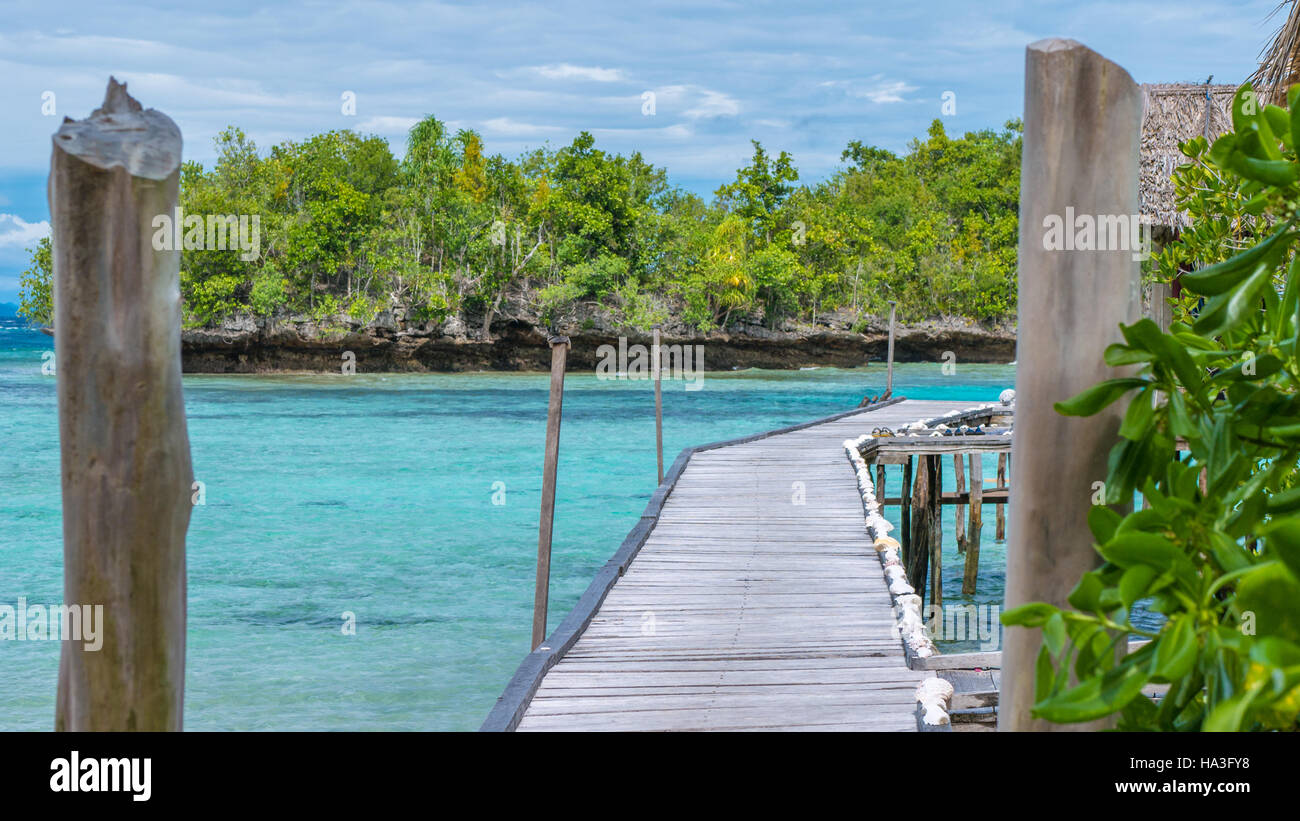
798,75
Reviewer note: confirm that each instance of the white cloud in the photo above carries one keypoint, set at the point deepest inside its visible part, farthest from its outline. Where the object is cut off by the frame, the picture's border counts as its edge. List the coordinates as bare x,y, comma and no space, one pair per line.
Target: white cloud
677,131
696,102
876,89
504,126
713,104
566,71
387,125
18,233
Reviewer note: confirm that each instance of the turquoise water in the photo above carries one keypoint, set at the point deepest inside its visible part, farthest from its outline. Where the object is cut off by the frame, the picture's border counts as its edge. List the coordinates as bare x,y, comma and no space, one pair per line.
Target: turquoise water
373,494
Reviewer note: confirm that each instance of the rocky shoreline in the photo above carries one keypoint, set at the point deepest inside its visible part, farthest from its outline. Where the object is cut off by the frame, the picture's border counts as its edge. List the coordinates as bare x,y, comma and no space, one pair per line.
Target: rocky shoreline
248,344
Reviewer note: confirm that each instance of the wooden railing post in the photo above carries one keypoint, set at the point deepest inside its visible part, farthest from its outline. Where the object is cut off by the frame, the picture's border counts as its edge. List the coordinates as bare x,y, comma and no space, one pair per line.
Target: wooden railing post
1082,115
126,470
999,510
972,569
905,512
889,375
559,352
959,519
659,406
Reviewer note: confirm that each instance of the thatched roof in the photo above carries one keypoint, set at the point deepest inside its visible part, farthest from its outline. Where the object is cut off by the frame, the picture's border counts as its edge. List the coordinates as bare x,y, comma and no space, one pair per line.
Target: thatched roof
1176,113
1171,114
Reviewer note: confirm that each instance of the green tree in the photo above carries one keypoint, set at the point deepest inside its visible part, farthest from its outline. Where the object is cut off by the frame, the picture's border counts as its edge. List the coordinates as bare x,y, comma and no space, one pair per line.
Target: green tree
759,190
36,286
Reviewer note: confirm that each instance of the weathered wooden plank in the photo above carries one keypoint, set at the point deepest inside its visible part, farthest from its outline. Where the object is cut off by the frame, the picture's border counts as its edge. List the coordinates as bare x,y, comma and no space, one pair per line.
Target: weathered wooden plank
747,606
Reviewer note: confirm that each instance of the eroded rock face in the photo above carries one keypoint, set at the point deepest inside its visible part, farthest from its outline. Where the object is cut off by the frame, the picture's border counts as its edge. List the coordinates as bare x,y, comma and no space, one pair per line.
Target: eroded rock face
391,344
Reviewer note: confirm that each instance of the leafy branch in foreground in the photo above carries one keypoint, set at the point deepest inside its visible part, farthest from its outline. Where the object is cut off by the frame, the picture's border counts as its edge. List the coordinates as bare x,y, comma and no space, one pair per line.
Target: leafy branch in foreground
1211,439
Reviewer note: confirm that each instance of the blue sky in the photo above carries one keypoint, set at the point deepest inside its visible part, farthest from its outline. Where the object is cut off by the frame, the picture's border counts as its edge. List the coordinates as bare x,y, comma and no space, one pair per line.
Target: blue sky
805,77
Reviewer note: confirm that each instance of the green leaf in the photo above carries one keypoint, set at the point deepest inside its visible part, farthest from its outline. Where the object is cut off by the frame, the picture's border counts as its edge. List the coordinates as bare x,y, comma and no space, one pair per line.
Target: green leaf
1034,614
1180,423
1137,419
1279,122
1135,582
1118,355
1272,594
1292,99
1275,652
1284,502
1176,649
1233,714
1287,321
1093,399
1147,335
1086,595
1152,550
1283,539
1097,697
1217,279
1102,521
1228,309
1054,634
1044,675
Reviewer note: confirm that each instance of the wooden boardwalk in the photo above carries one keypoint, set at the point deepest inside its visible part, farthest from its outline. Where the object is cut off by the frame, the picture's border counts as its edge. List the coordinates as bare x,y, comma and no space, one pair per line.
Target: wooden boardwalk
754,601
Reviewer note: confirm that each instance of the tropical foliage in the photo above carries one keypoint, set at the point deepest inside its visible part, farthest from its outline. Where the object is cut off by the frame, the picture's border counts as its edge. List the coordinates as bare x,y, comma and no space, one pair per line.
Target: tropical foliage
1211,440
348,229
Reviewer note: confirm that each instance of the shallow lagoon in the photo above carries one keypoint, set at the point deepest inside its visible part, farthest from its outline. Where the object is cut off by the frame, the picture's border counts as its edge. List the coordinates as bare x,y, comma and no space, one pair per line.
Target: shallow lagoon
373,495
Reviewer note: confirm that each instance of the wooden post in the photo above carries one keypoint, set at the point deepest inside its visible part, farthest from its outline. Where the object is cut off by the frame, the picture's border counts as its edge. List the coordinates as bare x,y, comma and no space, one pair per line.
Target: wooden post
1082,115
125,451
880,485
1160,310
959,520
905,511
559,351
935,511
889,377
1000,509
925,522
971,574
659,406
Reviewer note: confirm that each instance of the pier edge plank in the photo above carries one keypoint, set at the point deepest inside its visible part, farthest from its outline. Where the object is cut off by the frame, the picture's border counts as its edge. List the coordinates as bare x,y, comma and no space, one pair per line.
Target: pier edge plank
742,600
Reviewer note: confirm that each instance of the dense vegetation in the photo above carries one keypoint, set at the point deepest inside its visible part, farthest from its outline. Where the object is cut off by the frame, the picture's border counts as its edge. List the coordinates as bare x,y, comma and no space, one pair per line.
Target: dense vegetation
1217,548
347,228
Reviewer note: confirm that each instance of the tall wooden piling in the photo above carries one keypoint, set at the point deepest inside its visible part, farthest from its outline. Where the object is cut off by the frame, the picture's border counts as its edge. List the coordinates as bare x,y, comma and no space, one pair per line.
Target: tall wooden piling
659,406
905,511
1082,115
559,352
1000,509
972,569
925,525
959,519
889,375
124,448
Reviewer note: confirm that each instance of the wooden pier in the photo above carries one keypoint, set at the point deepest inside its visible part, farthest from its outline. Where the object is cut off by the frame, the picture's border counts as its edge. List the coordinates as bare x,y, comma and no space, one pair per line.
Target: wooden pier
748,597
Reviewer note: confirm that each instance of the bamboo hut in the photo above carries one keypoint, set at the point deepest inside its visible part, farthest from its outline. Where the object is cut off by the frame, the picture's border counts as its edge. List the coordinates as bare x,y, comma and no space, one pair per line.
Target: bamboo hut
1176,112
1173,113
